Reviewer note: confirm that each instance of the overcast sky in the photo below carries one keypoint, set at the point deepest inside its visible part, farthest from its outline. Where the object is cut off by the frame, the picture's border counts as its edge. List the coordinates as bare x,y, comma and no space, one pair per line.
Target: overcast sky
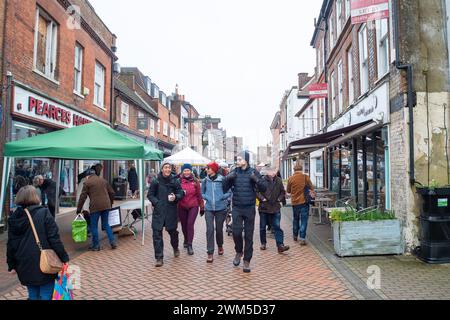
232,59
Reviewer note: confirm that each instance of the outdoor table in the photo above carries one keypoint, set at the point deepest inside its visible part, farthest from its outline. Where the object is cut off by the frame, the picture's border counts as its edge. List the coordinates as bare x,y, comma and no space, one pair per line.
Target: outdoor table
320,202
129,221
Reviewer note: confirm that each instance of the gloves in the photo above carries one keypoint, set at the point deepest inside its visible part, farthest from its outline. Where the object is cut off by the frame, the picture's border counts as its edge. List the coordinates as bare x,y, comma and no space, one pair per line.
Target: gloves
202,212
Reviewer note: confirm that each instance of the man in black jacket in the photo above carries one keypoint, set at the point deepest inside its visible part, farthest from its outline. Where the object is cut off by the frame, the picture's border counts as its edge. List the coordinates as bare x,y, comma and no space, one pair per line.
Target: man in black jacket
244,182
164,194
48,192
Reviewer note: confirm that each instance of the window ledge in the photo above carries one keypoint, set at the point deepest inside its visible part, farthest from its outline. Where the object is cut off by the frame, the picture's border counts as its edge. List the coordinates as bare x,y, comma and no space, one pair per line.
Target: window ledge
103,108
78,94
45,76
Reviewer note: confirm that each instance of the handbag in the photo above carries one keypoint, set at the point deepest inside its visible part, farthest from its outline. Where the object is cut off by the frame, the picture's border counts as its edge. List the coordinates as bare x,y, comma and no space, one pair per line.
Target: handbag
63,286
79,229
49,261
309,200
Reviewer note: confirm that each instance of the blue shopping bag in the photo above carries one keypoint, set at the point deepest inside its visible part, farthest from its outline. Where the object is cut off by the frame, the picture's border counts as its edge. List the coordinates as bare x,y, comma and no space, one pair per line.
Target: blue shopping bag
63,286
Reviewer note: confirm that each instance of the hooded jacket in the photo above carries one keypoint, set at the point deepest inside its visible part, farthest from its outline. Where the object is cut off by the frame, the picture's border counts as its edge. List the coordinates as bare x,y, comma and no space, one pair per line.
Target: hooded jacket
212,192
23,254
192,193
269,201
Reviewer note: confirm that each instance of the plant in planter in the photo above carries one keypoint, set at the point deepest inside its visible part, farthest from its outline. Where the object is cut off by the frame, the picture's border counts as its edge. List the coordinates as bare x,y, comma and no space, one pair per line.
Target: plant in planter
368,232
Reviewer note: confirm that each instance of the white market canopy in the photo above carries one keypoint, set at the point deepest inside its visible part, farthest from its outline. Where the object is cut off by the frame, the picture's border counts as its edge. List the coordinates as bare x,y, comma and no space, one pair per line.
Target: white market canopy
188,156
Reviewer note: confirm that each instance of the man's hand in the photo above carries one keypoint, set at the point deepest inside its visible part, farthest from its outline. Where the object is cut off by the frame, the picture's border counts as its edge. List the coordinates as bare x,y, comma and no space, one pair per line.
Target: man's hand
12,272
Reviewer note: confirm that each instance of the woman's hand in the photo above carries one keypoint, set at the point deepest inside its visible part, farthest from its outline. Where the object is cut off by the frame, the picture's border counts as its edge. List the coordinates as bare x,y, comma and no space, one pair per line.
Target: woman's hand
12,272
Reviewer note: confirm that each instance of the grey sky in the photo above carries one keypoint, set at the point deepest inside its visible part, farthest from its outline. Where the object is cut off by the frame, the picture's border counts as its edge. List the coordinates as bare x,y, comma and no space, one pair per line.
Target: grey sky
232,59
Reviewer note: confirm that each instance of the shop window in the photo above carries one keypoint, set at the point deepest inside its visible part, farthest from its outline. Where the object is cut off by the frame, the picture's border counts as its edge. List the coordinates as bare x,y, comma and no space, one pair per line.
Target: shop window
335,171
350,78
346,170
78,69
99,87
45,45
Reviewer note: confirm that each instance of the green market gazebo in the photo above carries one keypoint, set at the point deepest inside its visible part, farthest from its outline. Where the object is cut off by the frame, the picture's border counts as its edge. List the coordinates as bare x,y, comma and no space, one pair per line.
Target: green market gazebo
92,141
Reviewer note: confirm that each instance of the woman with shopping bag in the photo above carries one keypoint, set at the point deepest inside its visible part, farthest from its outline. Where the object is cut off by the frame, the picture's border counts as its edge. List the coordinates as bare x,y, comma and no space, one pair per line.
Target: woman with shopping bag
33,230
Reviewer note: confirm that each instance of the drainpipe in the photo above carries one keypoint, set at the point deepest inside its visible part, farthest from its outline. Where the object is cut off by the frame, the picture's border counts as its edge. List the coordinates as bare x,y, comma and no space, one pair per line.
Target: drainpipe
410,96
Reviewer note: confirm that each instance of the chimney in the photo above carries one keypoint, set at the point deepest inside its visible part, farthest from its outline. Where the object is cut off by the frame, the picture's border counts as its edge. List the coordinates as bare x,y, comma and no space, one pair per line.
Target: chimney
302,80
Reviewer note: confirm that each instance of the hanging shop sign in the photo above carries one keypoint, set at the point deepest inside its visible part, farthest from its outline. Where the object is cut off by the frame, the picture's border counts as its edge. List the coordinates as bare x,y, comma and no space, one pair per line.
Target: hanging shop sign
374,107
368,10
33,106
318,91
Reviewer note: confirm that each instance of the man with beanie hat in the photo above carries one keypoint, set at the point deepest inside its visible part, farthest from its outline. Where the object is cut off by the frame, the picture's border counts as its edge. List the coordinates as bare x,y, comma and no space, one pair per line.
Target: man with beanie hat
216,209
244,182
164,194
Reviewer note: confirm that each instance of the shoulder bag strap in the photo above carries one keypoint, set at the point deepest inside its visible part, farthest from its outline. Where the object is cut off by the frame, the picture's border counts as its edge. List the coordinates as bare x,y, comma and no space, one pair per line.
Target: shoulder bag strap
34,230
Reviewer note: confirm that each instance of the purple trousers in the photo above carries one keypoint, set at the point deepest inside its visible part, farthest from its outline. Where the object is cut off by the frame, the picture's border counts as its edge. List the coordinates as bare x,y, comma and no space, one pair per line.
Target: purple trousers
187,219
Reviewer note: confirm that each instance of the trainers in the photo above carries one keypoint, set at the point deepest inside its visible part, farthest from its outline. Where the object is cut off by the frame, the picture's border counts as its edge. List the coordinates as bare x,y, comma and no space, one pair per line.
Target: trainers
303,243
283,248
190,250
221,251
113,246
159,263
210,258
237,259
263,247
247,267
295,239
176,253
94,248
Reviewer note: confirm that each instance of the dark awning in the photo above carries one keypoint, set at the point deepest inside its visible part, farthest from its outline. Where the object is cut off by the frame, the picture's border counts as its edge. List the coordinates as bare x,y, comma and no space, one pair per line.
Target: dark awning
314,143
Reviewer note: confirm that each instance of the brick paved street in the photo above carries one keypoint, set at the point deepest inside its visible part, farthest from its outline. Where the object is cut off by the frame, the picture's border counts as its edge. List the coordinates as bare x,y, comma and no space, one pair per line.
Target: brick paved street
128,273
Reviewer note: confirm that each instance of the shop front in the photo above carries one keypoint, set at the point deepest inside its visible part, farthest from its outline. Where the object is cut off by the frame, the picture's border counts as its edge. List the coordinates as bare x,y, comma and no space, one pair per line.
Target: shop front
33,114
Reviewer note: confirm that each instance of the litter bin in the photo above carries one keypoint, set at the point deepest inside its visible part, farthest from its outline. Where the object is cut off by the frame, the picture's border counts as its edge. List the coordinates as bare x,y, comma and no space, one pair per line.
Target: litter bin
435,226
120,188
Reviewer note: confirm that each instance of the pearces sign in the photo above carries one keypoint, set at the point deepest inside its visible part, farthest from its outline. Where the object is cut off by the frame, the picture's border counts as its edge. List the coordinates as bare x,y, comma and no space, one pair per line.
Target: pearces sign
31,105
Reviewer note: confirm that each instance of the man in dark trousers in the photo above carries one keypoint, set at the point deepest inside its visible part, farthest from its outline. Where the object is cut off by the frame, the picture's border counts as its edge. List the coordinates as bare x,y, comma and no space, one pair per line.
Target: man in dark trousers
164,194
48,194
244,182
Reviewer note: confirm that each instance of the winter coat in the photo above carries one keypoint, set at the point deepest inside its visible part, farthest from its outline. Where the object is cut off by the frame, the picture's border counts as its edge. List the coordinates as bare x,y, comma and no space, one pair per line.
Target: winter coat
274,194
100,193
23,254
79,190
192,193
296,187
48,193
165,212
212,192
133,179
244,187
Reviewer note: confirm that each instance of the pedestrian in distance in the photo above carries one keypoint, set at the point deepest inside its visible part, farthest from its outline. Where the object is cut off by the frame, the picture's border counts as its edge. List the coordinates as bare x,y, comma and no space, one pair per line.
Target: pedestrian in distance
133,181
297,185
216,203
164,194
48,194
23,252
101,197
244,183
270,208
36,183
189,206
82,178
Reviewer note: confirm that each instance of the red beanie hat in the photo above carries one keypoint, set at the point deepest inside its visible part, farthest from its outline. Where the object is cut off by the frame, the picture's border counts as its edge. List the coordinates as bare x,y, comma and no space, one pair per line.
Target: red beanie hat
214,167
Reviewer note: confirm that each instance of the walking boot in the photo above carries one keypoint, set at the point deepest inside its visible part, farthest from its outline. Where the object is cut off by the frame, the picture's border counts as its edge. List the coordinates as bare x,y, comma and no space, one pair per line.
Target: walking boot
185,245
210,258
263,247
190,250
247,267
159,263
282,249
237,259
176,252
221,251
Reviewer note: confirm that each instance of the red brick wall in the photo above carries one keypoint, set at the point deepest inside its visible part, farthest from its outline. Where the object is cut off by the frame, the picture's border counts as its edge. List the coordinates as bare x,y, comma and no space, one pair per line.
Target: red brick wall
20,50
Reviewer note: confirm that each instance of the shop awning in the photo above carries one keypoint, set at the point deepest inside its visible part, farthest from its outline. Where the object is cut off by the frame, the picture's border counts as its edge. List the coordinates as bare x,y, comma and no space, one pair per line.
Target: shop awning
331,138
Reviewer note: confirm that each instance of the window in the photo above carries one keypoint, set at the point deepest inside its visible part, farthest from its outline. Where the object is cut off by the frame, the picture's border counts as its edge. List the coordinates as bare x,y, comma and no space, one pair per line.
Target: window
332,96
311,116
350,79
99,87
363,60
172,132
152,127
339,17
322,113
155,91
148,84
303,126
125,114
347,9
158,126
140,116
331,27
382,47
78,69
45,45
340,88
165,129
162,98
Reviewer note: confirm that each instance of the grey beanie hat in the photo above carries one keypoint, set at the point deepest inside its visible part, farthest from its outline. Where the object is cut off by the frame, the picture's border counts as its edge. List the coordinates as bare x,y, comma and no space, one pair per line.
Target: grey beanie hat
246,156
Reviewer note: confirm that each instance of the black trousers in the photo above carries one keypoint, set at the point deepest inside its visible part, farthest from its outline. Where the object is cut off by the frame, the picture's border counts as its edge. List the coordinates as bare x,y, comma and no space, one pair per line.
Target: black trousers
244,221
158,242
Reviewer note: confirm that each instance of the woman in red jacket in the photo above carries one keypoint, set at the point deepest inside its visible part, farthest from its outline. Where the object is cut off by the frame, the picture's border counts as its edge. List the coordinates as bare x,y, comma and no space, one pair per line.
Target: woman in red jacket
189,206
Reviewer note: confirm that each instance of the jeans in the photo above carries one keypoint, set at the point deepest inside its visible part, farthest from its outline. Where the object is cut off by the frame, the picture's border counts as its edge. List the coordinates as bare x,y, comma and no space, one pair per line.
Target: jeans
187,219
44,292
276,220
219,218
244,221
158,242
105,225
300,223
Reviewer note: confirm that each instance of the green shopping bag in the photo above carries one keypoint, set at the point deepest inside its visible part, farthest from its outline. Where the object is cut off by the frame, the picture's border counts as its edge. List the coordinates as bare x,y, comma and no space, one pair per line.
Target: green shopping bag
79,229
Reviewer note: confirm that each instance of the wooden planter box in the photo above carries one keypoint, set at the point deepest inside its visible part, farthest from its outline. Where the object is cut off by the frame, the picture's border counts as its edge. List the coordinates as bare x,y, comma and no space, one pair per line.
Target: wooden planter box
365,238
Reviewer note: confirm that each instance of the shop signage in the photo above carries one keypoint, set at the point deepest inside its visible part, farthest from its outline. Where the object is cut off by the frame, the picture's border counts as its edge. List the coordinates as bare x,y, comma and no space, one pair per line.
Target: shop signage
142,123
34,106
318,91
373,107
369,10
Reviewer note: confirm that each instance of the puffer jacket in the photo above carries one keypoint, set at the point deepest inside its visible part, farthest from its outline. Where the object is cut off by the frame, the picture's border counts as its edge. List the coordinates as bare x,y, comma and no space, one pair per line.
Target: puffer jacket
243,188
23,254
212,192
192,193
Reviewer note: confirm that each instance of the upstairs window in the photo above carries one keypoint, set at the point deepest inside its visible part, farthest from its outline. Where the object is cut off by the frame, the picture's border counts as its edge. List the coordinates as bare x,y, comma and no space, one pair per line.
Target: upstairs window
382,47
363,60
339,17
45,45
125,114
340,88
99,86
78,69
152,127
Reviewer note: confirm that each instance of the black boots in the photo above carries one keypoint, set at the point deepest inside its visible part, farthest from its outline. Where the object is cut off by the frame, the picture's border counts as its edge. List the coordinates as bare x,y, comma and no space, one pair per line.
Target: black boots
190,250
